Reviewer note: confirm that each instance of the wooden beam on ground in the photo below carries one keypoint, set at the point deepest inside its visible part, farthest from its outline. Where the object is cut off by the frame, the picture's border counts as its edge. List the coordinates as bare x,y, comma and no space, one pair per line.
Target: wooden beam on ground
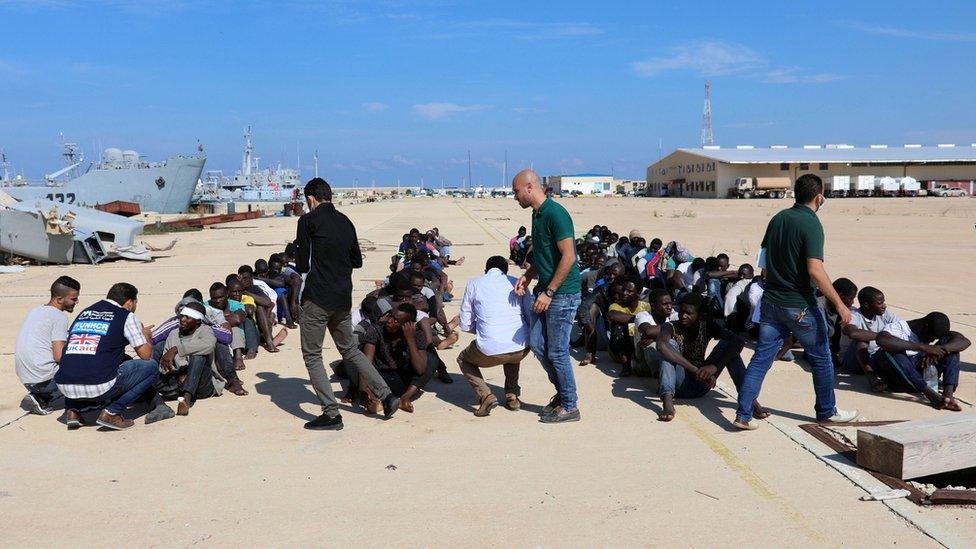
913,449
211,220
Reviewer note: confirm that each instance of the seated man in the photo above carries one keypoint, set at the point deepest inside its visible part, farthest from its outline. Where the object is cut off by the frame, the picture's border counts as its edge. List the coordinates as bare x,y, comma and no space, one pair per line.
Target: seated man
275,279
293,283
435,308
491,310
735,310
94,370
397,349
857,341
265,300
595,307
249,327
647,361
185,360
686,371
620,317
40,344
847,291
909,349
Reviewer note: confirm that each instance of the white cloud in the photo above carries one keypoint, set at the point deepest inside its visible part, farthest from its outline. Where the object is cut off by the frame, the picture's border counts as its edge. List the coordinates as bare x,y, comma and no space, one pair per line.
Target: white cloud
528,110
707,58
909,33
403,160
519,29
375,106
435,111
715,58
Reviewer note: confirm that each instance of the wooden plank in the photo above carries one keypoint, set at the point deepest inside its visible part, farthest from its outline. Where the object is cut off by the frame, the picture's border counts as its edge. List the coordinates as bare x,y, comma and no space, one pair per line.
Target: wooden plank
913,449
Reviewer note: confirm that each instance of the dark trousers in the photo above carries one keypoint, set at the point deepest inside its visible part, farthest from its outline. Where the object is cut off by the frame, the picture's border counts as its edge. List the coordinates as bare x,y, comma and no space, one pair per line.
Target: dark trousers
903,373
399,380
44,392
224,359
196,376
252,338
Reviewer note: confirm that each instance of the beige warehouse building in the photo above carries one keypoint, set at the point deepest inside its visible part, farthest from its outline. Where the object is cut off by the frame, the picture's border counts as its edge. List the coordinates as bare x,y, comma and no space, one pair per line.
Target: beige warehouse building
711,171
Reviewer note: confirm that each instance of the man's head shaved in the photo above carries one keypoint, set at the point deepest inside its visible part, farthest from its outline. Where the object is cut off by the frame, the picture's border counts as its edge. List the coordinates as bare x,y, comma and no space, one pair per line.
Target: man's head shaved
528,188
526,176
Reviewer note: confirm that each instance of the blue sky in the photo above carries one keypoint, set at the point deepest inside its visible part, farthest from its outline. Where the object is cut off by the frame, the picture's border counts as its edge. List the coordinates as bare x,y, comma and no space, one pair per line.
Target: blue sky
404,88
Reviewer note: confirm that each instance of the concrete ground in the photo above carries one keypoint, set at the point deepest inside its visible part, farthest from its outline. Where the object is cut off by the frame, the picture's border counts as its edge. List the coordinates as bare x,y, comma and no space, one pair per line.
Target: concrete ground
242,470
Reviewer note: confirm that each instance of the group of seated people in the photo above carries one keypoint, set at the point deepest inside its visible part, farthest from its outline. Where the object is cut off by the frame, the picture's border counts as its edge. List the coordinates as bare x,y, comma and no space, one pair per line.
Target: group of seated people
192,355
656,307
197,353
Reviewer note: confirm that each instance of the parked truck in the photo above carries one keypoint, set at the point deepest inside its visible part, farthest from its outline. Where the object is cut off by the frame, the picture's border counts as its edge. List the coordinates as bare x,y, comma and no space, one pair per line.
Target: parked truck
886,186
909,186
864,185
839,186
761,187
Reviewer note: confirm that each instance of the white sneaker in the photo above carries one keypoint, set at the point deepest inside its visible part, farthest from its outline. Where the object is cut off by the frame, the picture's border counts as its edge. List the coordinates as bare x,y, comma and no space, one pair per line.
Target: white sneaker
842,416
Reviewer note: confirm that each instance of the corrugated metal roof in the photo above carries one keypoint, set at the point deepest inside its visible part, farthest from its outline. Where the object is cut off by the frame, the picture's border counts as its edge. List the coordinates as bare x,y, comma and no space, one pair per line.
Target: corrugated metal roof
961,153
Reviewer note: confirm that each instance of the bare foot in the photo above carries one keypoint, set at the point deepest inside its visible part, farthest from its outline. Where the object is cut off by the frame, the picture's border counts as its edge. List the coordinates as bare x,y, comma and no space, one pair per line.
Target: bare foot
280,336
236,387
239,364
448,341
951,405
460,261
182,407
270,348
251,355
406,405
668,413
587,360
453,323
758,411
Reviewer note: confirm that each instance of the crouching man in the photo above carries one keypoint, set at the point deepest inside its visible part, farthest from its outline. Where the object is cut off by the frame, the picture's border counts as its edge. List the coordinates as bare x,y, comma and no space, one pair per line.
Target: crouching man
186,360
907,349
94,372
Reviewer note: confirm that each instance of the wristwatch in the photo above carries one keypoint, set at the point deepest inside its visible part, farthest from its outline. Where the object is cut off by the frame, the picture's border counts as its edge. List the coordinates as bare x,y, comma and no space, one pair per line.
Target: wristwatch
550,292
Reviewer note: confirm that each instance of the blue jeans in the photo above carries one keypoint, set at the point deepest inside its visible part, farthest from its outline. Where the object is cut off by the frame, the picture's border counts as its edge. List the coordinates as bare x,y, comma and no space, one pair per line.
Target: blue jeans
676,381
549,340
715,292
136,378
809,328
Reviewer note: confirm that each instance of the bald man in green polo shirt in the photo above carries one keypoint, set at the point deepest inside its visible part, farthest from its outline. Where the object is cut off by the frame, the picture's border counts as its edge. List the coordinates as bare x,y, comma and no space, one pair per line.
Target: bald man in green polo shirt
556,296
793,249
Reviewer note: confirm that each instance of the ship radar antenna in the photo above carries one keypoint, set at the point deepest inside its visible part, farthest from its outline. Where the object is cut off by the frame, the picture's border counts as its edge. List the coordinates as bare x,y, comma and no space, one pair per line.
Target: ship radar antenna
706,129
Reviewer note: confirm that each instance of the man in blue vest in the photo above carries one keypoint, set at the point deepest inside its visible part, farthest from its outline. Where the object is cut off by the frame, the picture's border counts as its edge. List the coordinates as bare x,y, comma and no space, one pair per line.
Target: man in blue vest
94,371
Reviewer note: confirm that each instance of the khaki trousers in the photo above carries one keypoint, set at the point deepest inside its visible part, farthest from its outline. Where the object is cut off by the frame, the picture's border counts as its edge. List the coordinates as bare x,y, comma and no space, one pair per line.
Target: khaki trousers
472,360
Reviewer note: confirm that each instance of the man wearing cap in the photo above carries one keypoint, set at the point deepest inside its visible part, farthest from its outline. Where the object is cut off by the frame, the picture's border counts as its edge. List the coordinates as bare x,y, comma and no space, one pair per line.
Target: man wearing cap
327,250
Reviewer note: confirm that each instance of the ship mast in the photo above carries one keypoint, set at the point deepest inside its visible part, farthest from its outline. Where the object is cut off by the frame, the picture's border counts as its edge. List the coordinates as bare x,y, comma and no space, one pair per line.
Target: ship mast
248,150
5,165
316,162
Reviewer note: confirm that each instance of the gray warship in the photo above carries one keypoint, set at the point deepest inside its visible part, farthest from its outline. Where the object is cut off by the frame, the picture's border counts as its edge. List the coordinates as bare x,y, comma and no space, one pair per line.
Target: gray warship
163,187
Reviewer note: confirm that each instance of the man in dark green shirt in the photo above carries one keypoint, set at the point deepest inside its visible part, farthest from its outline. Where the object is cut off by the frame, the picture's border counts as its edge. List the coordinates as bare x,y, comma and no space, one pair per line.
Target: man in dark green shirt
792,258
557,295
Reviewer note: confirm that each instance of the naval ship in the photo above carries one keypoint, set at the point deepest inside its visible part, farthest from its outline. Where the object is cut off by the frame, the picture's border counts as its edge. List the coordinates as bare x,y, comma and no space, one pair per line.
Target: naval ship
251,183
163,187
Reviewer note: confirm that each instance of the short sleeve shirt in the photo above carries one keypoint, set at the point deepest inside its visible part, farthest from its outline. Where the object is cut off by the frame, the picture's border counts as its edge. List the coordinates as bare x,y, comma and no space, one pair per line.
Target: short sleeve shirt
641,307
901,330
33,357
792,237
550,224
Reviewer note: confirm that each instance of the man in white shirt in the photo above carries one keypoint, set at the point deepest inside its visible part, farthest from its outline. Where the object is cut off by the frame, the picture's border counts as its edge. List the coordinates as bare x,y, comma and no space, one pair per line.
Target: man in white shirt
744,277
857,340
40,344
491,310
647,361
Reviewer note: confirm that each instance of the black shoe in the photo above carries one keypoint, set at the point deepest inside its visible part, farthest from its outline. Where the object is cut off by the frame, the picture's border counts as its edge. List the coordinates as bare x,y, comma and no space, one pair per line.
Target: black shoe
561,416
36,405
553,404
390,405
325,423
444,376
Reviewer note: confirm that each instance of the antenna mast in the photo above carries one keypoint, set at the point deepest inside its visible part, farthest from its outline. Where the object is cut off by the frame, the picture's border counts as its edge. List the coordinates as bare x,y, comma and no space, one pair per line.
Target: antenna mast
316,162
248,150
706,129
469,171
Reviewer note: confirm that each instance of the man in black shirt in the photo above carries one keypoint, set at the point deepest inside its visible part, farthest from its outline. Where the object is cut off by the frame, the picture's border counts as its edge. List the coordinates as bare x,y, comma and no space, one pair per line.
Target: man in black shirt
686,370
327,252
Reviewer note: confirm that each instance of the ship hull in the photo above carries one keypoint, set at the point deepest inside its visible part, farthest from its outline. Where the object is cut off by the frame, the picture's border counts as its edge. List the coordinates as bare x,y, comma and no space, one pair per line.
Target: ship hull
163,189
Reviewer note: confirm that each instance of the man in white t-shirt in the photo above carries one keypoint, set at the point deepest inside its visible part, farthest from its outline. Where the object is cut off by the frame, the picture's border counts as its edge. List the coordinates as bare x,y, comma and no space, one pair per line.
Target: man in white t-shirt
907,349
857,340
647,361
40,344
